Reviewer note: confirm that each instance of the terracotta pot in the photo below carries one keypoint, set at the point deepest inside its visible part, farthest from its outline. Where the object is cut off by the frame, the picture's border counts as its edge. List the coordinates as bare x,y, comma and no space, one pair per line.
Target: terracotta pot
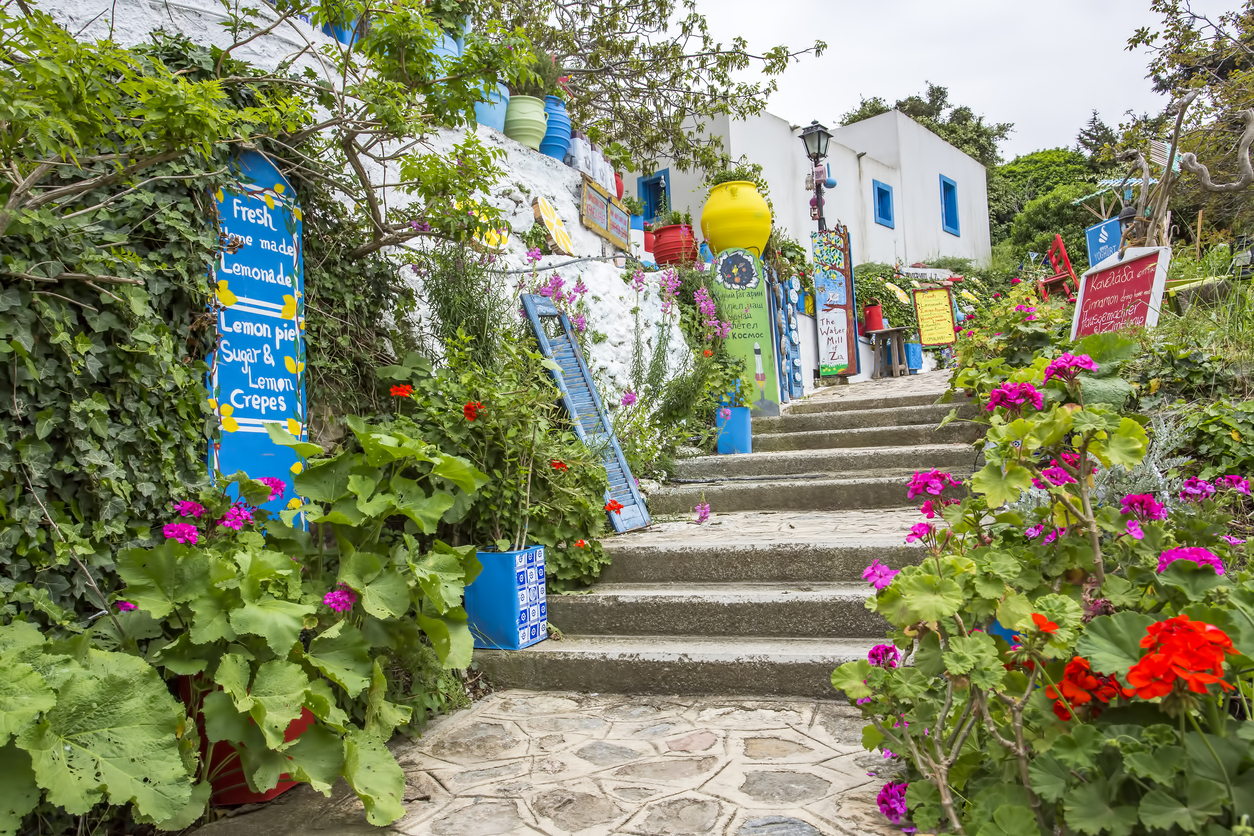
674,244
648,241
618,184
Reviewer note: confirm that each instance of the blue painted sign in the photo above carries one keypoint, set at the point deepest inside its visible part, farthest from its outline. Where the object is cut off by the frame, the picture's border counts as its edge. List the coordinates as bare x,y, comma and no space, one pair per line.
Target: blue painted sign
257,373
1103,241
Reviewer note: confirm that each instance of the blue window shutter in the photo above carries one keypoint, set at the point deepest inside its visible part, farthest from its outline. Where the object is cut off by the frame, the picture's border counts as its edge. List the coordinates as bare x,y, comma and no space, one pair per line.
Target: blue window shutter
882,203
949,206
583,404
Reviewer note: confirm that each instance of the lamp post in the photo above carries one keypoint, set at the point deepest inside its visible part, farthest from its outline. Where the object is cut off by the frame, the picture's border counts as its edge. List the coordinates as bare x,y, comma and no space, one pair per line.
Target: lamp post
815,138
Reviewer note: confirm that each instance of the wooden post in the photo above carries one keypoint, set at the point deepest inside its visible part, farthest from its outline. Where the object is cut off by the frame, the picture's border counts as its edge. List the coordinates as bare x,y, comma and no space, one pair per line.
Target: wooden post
1198,237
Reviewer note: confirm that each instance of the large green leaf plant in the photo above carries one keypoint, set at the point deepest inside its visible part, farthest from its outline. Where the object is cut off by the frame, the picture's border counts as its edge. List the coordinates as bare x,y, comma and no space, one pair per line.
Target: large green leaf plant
1058,665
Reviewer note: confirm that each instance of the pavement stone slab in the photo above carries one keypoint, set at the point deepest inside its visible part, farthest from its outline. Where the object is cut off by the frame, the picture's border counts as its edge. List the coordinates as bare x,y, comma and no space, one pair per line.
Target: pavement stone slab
557,763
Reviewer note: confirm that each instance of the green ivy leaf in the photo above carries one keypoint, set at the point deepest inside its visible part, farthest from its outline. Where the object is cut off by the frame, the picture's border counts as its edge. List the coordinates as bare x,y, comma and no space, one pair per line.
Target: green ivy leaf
384,593
441,574
460,472
157,579
931,598
233,675
924,801
908,683
1203,799
1000,488
375,777
342,653
1010,820
113,735
325,482
1112,643
1089,811
18,791
23,695
413,502
928,657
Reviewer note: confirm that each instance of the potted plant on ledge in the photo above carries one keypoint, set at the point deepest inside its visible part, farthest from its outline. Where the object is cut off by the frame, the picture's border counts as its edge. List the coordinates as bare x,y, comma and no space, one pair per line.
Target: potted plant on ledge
673,241
526,119
737,213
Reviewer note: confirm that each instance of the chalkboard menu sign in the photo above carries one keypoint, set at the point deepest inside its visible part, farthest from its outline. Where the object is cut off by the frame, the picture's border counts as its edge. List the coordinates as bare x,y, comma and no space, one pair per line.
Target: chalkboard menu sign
833,285
604,215
257,372
1118,293
934,310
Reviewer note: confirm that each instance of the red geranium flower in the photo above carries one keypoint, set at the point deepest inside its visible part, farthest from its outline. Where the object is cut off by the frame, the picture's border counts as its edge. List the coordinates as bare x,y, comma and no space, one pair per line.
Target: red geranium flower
558,465
1044,624
709,353
471,410
1182,650
614,506
402,391
580,544
1081,687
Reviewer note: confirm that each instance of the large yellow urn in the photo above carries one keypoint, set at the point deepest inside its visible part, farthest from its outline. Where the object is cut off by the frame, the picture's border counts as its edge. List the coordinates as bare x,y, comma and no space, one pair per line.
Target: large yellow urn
735,215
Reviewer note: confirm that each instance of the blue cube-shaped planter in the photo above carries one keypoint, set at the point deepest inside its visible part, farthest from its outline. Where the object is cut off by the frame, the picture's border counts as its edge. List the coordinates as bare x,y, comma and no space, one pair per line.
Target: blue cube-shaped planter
505,605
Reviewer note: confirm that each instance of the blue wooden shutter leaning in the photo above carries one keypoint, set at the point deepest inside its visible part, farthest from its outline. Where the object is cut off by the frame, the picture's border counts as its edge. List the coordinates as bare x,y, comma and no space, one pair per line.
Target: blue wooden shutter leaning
579,394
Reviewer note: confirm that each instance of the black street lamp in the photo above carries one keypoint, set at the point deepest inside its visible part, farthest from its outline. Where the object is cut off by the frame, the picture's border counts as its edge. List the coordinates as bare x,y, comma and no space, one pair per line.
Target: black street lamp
815,138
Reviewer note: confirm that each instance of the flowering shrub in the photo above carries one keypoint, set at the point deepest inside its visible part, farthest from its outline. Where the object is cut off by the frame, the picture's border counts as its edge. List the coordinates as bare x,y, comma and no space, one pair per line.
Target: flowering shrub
1065,665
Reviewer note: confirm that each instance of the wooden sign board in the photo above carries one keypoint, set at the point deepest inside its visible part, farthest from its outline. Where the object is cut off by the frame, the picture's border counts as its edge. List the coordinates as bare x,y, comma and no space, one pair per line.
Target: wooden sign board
834,306
1119,292
603,214
934,311
559,238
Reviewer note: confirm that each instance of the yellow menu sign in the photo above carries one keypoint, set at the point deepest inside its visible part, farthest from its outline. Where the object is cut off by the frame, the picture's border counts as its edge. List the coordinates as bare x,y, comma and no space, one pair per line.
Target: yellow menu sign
934,309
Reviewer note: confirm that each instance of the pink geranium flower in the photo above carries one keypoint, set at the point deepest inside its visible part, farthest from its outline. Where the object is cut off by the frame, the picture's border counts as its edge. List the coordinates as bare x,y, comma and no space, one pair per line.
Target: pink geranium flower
919,532
1195,490
1234,483
1057,476
879,575
1198,555
932,482
1014,396
276,486
1144,507
883,656
1134,530
236,516
340,599
1067,366
187,508
181,533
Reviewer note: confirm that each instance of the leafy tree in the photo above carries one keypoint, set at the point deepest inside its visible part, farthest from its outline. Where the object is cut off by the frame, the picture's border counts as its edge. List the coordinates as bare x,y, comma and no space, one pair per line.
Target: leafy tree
1051,214
958,125
1095,140
1027,177
646,76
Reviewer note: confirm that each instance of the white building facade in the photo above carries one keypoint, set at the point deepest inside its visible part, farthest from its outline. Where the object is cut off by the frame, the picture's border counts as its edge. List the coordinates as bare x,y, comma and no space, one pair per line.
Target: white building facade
905,194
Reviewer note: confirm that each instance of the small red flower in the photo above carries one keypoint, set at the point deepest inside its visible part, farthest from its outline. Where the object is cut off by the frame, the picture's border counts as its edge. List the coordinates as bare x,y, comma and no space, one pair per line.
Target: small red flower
709,353
472,409
558,466
580,544
1044,624
402,391
1081,687
1191,652
614,506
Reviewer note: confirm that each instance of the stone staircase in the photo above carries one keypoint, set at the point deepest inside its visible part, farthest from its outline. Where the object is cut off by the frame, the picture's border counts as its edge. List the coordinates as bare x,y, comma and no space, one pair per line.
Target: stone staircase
767,597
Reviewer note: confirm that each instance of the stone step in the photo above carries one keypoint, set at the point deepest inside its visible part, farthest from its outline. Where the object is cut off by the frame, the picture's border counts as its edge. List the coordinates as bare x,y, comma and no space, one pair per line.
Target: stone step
838,494
820,610
812,405
905,416
829,462
676,665
898,436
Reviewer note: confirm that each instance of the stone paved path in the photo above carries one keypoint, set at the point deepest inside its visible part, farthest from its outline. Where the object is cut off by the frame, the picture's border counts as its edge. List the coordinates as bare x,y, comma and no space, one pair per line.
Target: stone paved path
934,382
522,762
864,525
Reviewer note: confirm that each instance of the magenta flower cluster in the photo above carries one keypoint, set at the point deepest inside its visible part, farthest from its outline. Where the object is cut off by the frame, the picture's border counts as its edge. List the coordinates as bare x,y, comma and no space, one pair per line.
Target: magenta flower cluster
920,532
1198,555
340,599
878,574
1195,490
1143,506
1014,396
1234,483
236,517
534,255
932,508
892,801
187,508
275,485
1067,366
185,533
709,315
883,656
668,286
932,482
125,606
637,281
703,512
628,399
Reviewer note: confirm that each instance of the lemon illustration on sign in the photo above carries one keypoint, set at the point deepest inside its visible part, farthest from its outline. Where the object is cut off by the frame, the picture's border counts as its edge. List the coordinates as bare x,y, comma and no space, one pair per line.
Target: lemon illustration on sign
224,294
229,424
278,188
269,200
968,295
289,307
297,468
292,366
219,196
561,238
294,503
293,426
898,292
296,212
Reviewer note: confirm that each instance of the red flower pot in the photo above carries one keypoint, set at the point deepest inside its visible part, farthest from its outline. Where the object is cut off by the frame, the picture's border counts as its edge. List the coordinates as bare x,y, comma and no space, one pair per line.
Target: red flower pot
674,244
229,787
874,315
648,242
618,184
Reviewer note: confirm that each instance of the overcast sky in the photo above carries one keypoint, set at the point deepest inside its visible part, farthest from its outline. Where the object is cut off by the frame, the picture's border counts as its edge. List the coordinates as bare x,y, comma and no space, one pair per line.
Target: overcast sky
1042,65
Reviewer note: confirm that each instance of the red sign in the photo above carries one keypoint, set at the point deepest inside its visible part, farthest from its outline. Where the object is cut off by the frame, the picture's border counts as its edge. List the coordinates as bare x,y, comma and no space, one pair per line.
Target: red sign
1125,294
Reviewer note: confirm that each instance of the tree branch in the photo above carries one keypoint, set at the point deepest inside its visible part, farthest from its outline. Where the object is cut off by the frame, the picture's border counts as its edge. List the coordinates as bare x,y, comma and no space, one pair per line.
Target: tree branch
1189,163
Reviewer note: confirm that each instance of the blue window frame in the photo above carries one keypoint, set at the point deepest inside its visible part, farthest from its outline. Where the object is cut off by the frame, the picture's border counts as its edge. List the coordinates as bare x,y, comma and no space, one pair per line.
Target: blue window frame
882,202
652,189
949,206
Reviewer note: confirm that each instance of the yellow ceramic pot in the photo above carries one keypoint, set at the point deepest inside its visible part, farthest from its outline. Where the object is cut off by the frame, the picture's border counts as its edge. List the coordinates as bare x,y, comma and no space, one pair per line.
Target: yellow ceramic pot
735,215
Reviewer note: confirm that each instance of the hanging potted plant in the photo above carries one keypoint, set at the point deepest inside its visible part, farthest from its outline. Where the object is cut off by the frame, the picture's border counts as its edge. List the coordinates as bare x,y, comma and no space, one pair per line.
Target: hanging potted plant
737,214
673,241
450,16
526,119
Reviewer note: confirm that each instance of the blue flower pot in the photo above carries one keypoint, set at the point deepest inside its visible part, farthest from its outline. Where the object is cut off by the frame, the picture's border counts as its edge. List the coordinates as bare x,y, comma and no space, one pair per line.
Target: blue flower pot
505,605
735,433
448,46
491,113
914,355
346,35
637,222
556,140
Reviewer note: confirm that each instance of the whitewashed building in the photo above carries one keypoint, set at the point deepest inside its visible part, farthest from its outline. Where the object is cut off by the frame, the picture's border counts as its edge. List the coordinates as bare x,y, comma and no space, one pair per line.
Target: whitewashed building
905,194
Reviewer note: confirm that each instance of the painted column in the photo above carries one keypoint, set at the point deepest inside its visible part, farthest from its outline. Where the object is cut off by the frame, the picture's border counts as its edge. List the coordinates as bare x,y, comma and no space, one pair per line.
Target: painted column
834,301
740,287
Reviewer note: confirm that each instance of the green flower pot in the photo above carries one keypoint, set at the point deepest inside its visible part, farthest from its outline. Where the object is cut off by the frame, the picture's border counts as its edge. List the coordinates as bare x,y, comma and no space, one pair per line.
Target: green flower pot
526,121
